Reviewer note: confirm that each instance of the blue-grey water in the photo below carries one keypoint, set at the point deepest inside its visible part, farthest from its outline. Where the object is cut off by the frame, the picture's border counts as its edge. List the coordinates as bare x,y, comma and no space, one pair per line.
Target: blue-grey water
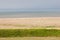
28,14
17,13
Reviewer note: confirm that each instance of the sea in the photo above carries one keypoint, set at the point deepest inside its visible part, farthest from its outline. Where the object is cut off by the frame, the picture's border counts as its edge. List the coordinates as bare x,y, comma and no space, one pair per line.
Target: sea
27,14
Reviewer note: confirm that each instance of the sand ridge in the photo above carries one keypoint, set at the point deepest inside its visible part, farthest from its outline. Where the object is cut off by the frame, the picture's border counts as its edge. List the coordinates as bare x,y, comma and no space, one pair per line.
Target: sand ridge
29,22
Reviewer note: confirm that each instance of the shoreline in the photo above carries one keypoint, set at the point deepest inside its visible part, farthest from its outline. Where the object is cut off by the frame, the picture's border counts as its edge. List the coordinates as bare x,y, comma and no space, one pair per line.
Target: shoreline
30,17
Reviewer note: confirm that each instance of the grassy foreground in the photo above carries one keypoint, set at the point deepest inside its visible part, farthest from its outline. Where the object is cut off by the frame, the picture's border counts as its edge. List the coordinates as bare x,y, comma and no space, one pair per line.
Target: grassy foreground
29,33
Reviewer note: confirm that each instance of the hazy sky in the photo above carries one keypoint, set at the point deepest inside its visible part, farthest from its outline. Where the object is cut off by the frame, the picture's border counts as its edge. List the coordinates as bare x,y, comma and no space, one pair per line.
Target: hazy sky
29,4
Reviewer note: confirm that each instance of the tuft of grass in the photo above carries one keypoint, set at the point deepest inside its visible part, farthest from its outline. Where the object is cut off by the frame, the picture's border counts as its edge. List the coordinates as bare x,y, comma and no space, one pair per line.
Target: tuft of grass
50,26
29,33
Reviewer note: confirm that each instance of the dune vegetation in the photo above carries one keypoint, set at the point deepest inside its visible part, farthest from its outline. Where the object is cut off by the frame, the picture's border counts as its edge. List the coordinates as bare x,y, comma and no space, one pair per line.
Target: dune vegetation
29,33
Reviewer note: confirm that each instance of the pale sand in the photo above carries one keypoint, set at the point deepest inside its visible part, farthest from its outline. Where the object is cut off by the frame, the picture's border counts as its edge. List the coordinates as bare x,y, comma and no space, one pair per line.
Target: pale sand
31,38
29,22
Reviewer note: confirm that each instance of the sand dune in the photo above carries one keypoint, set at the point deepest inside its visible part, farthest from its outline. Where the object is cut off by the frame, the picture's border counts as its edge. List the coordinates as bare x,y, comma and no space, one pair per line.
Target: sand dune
29,22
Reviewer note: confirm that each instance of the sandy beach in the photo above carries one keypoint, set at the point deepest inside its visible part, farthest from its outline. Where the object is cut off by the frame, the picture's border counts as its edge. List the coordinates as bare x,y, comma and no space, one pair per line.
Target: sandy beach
6,23
31,38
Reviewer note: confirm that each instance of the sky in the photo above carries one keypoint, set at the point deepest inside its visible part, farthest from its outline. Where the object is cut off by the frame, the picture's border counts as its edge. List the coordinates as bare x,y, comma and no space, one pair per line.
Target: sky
29,4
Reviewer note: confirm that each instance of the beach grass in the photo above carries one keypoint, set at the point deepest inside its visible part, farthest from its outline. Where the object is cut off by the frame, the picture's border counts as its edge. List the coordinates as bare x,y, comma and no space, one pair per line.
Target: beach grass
29,33
22,25
12,25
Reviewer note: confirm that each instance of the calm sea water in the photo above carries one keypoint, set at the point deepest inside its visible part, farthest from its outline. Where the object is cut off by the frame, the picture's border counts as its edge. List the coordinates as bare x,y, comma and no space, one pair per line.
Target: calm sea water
17,13
28,14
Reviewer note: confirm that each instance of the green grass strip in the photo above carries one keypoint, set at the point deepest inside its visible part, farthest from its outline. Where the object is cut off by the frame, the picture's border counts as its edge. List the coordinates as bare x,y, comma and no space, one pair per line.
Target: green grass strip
29,33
